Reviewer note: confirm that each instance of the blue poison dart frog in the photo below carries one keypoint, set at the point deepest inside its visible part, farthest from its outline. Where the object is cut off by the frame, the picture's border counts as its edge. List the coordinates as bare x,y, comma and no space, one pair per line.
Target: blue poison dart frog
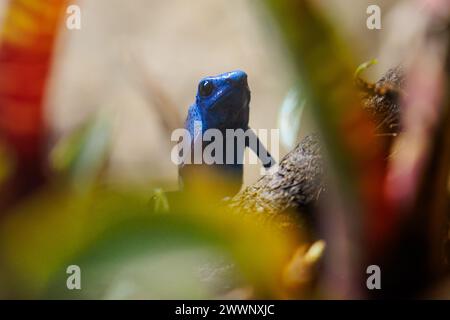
222,102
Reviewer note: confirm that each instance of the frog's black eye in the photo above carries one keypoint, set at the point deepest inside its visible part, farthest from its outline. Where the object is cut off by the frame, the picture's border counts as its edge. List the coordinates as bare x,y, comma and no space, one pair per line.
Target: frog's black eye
205,88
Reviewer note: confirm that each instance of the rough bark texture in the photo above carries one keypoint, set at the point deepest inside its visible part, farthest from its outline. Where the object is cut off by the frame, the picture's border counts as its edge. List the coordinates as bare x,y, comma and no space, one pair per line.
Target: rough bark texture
382,101
299,181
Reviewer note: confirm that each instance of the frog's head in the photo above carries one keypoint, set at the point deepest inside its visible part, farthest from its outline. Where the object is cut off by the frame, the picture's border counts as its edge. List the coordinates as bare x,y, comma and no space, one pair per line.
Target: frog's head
224,100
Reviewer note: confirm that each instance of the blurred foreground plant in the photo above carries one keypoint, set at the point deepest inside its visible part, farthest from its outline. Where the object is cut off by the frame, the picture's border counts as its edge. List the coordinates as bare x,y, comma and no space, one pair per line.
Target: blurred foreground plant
125,249
27,37
388,210
106,232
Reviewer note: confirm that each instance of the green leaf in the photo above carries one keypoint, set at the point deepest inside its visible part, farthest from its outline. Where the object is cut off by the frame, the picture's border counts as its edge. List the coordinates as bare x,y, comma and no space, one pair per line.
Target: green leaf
126,250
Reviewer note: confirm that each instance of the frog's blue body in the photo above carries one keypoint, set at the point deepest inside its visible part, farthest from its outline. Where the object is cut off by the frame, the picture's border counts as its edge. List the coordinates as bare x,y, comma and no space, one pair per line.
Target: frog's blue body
222,102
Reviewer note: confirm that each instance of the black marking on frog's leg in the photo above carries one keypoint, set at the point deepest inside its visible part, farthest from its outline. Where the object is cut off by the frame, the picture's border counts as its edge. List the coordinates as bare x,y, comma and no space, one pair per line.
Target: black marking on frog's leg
259,149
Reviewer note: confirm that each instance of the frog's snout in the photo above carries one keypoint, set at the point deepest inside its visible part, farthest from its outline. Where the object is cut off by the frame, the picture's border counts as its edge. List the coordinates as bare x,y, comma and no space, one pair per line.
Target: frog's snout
238,79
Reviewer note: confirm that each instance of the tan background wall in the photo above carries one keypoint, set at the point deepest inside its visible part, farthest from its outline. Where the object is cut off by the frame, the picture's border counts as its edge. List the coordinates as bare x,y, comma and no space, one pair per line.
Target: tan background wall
177,42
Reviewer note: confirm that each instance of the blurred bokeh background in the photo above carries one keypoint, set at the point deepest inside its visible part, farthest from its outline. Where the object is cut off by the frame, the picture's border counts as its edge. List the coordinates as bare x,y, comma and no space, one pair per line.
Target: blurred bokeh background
175,44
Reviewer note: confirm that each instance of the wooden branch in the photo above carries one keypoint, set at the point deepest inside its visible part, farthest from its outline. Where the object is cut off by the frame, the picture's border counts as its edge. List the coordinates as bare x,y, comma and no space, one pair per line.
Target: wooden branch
299,181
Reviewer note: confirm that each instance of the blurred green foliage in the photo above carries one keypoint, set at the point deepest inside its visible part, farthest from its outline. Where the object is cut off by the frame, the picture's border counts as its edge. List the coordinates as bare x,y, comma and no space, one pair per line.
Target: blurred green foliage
109,230
80,156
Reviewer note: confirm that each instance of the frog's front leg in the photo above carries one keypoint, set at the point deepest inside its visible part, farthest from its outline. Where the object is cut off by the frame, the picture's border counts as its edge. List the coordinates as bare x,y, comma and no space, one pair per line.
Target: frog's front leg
255,144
